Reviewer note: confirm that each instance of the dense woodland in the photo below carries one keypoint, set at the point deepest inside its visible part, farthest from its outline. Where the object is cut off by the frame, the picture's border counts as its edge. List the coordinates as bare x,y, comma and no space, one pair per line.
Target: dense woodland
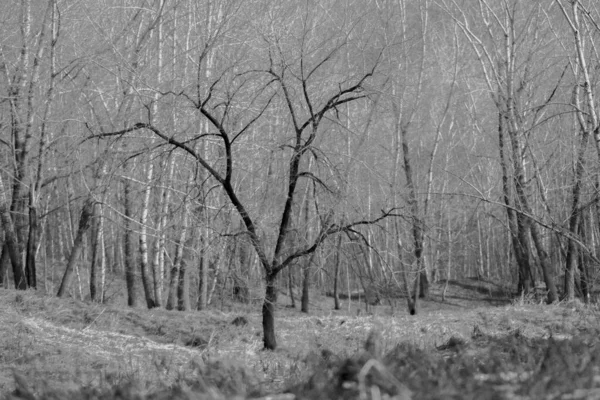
176,152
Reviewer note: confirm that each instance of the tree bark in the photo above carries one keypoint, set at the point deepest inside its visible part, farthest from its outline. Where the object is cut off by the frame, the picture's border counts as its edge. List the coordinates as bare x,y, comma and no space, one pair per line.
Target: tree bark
268,312
203,267
84,224
11,245
291,287
183,288
177,261
336,275
306,284
417,223
32,242
143,237
129,257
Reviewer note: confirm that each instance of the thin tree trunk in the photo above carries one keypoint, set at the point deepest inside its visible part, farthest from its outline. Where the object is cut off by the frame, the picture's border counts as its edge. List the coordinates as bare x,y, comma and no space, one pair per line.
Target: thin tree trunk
32,242
291,286
417,223
514,132
574,218
520,242
129,257
95,250
336,275
148,287
203,267
84,224
304,306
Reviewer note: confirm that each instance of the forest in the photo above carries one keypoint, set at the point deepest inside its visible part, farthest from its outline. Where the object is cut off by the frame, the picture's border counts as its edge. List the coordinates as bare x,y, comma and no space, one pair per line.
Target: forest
172,153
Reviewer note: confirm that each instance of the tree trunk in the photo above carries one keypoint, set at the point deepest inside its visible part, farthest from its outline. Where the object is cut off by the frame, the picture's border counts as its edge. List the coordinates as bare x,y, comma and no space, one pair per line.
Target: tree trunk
268,312
586,126
203,273
336,275
291,286
129,257
417,223
174,278
183,288
148,287
4,263
306,284
95,250
520,242
84,224
11,246
32,242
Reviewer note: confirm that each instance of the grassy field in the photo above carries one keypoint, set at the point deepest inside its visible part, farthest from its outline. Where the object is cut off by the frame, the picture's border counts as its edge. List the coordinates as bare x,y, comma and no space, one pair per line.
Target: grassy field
477,344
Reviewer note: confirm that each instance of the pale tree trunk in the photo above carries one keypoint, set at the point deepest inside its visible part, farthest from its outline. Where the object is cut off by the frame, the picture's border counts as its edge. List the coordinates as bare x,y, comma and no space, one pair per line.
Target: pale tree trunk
143,238
84,224
158,263
156,114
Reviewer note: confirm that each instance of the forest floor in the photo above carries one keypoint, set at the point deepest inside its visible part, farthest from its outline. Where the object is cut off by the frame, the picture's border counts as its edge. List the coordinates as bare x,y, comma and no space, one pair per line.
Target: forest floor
477,344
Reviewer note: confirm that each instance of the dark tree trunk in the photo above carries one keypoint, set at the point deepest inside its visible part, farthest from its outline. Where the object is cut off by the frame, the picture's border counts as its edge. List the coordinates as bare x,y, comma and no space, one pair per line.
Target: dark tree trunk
516,224
11,241
129,258
94,264
173,283
522,255
183,288
583,264
32,242
84,225
417,223
202,279
291,286
4,264
336,275
306,284
268,312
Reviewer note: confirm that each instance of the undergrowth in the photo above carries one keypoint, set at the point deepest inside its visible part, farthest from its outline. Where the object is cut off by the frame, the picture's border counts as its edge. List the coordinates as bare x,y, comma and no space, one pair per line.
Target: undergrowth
66,349
483,366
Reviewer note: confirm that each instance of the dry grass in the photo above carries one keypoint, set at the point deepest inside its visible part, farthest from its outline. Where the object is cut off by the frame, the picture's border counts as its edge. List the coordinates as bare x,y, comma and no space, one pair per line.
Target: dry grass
54,344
